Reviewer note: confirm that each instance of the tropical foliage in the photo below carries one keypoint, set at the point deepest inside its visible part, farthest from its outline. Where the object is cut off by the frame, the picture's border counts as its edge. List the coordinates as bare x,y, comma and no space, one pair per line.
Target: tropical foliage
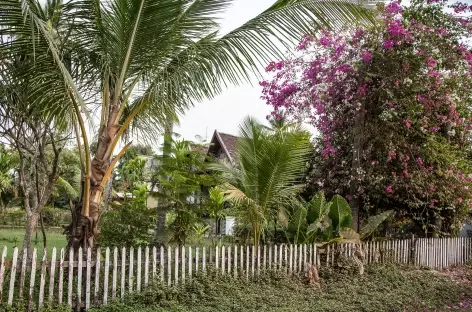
267,175
130,224
143,62
392,105
323,222
182,174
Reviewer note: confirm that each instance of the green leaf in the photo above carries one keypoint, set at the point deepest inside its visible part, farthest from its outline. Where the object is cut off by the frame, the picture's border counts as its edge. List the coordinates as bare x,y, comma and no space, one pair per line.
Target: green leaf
297,224
374,222
349,235
340,212
317,207
283,217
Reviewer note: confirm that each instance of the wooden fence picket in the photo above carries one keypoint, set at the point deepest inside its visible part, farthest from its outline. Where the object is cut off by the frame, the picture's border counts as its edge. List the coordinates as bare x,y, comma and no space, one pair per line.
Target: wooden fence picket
42,281
131,270
24,259
52,271
87,278
223,262
32,279
123,272
61,278
115,273
176,266
2,271
106,275
233,260
79,277
183,264
146,267
71,277
12,276
169,266
138,269
97,277
190,261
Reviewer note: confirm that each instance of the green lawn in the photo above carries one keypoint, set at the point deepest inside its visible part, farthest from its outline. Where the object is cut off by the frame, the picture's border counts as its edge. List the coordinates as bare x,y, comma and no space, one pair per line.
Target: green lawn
14,238
381,288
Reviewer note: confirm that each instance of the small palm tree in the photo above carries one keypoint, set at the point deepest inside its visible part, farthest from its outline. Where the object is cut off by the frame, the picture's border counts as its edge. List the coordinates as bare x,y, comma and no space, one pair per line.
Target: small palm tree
267,173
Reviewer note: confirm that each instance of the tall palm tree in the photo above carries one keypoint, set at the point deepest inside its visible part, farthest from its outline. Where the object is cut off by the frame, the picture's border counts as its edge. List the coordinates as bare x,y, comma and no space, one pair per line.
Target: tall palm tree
267,172
130,64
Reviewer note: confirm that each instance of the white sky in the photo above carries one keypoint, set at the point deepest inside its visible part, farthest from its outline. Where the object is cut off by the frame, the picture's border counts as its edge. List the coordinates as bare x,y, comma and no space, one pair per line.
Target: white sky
226,111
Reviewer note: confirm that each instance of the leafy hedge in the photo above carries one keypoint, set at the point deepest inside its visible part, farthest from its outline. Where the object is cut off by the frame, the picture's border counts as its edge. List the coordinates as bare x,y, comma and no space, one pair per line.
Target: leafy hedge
382,288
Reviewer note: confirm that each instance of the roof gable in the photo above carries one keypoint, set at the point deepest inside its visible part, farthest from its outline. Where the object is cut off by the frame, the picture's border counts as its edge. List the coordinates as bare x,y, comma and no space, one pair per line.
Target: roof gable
226,142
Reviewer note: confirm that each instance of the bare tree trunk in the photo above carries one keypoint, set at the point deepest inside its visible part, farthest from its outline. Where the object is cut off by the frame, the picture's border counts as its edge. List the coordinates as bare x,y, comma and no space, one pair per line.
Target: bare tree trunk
356,166
31,226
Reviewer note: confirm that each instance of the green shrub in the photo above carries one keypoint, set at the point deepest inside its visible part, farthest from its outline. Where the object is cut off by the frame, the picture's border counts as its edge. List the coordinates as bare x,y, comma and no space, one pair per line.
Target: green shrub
131,224
381,288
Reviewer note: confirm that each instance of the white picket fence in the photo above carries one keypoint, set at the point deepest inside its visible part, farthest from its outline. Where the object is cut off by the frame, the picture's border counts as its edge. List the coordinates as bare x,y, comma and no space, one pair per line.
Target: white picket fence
94,279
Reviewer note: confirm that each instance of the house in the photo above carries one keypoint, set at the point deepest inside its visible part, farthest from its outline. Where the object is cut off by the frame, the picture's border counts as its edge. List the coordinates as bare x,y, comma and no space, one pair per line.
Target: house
223,146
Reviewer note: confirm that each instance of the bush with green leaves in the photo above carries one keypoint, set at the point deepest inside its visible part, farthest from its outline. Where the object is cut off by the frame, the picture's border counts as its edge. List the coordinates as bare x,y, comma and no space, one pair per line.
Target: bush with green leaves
130,224
321,221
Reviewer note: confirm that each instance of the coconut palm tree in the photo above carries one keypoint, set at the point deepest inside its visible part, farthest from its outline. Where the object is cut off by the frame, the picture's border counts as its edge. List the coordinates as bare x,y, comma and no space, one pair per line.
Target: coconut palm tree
267,172
130,64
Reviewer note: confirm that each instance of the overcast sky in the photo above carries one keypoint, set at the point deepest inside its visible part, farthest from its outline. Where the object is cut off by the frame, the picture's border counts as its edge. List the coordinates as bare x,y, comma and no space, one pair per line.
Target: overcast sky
225,112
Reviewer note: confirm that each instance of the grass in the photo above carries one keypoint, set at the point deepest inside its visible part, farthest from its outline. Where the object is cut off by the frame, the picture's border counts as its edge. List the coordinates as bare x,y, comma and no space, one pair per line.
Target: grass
12,238
381,288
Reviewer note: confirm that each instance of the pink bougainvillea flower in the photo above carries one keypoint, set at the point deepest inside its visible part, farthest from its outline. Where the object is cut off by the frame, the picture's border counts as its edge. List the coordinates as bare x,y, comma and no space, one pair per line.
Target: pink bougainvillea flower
366,56
407,123
389,189
393,7
388,44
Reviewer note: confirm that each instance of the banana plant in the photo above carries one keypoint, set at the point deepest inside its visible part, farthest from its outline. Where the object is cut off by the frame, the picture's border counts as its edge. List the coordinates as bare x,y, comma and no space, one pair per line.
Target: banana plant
327,222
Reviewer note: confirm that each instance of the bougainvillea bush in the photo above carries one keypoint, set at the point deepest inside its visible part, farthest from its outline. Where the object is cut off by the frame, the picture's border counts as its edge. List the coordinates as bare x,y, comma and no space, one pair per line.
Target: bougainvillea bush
392,106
